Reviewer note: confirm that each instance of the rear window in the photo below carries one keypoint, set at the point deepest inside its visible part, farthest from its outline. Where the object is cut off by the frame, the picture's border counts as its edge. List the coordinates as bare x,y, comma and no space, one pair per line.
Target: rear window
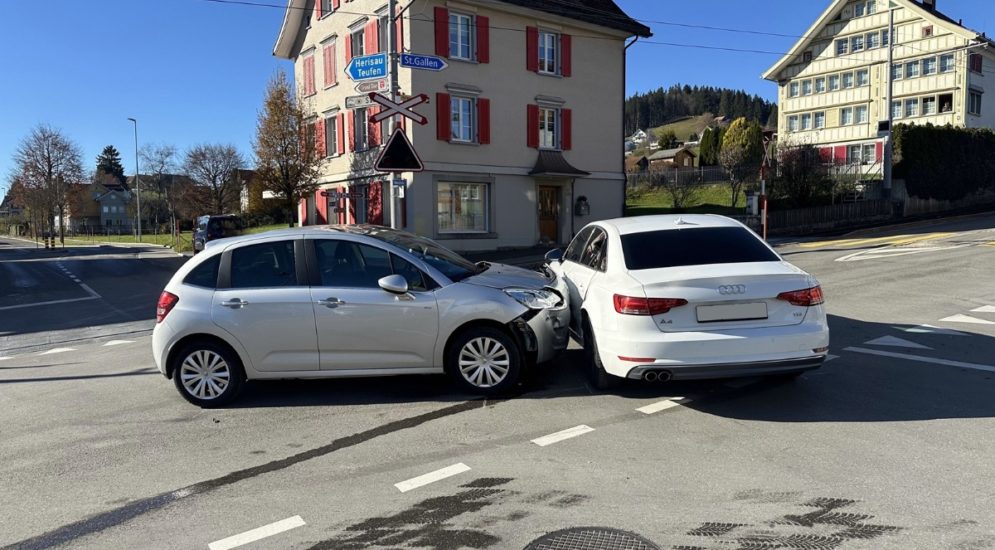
702,246
205,274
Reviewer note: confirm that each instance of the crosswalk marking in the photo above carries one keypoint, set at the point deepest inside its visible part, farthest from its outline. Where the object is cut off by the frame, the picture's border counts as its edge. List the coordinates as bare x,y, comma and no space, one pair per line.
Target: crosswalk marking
894,342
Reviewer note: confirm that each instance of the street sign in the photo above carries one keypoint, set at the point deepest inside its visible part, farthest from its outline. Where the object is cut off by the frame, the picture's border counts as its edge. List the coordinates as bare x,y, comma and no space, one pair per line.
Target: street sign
358,102
367,67
423,62
399,182
391,108
399,155
368,86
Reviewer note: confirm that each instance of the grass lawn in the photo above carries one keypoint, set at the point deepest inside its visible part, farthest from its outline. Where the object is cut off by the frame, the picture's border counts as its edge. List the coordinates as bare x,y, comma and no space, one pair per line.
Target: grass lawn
184,241
714,199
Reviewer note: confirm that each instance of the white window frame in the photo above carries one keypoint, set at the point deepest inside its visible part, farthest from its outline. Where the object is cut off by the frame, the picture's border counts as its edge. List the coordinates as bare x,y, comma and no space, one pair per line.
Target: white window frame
896,109
820,120
549,41
930,100
357,41
331,134
846,116
873,40
549,139
793,123
458,124
457,190
860,114
834,78
456,44
911,108
820,85
974,102
885,38
361,128
897,71
947,63
852,81
872,7
853,158
863,78
806,122
925,66
327,6
806,87
868,153
857,43
913,69
842,47
794,89
859,9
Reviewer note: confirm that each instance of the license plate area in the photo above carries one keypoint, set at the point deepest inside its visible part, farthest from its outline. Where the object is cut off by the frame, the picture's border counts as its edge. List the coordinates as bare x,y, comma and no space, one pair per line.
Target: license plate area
732,312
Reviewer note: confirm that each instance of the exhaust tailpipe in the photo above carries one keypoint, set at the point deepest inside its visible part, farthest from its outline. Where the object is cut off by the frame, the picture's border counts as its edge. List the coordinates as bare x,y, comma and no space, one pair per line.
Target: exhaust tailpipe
663,376
650,376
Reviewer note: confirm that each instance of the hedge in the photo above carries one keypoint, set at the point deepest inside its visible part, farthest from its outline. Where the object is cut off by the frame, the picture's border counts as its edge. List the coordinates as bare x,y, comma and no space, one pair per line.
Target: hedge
943,162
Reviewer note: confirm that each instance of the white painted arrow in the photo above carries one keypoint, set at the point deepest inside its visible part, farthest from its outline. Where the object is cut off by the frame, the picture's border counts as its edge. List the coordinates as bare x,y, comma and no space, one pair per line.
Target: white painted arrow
894,342
966,319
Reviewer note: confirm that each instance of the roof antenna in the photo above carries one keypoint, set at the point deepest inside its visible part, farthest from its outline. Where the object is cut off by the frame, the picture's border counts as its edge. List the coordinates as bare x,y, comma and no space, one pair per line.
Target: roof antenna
682,221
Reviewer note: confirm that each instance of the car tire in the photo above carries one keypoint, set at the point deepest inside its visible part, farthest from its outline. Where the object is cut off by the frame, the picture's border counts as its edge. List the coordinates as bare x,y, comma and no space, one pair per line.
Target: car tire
484,360
596,373
208,374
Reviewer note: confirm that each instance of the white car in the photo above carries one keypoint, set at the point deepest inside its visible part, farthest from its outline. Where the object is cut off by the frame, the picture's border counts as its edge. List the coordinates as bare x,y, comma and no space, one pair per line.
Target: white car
686,297
344,301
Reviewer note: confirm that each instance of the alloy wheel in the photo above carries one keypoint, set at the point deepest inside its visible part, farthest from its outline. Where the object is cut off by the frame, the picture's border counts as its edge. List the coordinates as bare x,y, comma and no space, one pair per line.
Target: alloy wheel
484,362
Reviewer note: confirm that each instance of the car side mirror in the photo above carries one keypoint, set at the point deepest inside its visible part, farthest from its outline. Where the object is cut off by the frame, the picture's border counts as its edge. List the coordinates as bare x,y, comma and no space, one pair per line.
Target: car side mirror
395,284
555,255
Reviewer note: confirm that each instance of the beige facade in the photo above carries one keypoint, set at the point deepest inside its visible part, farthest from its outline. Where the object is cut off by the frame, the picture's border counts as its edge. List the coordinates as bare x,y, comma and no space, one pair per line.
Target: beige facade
479,190
832,86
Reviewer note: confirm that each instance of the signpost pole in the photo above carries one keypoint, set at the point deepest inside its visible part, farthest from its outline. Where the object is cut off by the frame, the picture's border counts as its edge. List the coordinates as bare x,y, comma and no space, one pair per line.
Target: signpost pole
392,48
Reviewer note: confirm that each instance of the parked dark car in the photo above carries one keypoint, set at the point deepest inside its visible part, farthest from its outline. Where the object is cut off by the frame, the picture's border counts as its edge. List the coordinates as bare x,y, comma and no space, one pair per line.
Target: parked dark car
211,228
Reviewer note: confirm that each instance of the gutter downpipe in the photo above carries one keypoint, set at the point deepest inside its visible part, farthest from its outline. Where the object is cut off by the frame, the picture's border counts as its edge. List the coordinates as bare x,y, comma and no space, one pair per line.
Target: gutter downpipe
625,179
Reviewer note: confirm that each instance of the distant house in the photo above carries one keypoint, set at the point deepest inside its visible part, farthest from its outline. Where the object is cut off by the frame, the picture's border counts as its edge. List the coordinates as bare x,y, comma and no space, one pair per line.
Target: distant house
9,207
639,137
636,163
672,158
113,200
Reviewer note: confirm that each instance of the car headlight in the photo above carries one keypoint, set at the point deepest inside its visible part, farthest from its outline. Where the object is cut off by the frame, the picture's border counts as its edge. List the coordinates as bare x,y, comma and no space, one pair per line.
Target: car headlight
534,299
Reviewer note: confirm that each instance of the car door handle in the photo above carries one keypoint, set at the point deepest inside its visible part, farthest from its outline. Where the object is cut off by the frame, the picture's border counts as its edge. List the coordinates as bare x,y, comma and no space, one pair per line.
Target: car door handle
330,302
235,303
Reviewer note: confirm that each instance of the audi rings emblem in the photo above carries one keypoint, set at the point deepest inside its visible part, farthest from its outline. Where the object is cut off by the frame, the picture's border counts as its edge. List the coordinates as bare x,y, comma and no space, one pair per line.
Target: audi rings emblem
728,290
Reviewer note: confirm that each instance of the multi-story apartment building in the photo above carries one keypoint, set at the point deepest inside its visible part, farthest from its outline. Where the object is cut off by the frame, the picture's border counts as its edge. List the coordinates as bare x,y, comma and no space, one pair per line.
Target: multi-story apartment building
523,140
833,84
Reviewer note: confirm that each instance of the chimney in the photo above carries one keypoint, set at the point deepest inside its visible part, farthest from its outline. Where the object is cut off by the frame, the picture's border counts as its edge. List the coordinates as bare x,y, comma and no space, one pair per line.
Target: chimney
929,4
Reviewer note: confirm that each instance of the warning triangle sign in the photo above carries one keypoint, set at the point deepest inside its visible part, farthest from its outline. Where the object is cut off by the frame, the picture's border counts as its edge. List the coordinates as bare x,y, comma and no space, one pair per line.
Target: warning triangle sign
399,155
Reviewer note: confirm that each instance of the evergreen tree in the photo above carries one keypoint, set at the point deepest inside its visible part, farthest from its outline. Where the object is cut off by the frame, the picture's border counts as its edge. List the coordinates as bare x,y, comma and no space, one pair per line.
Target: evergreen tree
109,163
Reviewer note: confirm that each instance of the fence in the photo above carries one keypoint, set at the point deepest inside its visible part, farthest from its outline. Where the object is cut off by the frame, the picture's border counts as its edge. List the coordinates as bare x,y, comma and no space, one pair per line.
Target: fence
701,175
829,217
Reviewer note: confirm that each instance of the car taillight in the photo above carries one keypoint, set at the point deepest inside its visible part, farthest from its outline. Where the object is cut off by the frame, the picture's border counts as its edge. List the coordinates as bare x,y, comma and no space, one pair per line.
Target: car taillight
166,302
805,298
632,305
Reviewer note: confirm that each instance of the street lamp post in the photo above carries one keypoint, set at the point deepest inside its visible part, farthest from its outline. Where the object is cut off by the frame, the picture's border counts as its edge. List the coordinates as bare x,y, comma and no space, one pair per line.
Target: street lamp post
138,188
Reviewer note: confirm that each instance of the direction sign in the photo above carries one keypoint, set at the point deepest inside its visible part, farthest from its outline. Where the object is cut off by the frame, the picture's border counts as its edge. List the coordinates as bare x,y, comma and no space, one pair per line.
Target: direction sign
368,86
358,102
367,67
424,62
391,108
399,155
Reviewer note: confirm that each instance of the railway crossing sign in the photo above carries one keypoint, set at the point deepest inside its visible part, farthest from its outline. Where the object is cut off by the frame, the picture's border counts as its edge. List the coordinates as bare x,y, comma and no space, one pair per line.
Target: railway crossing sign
403,108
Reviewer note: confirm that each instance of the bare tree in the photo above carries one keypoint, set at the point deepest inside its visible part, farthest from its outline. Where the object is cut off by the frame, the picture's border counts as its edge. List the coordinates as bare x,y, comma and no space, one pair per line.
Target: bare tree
214,167
289,148
683,186
160,165
48,164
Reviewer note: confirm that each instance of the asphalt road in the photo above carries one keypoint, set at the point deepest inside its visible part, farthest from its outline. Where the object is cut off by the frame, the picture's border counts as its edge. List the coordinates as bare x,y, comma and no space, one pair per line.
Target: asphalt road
888,446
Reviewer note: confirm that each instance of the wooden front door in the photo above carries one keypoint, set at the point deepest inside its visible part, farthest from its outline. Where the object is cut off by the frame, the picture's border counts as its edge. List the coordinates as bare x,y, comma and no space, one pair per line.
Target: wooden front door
549,213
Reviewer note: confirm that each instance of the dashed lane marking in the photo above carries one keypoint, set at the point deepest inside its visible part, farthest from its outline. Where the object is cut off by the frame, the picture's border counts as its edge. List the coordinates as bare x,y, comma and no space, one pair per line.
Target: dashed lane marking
966,319
562,435
984,309
118,342
4,358
663,405
830,357
921,359
894,342
56,350
258,533
431,477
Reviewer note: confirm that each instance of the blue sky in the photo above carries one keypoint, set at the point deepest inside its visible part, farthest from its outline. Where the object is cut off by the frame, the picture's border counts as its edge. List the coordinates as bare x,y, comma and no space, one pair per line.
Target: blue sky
193,71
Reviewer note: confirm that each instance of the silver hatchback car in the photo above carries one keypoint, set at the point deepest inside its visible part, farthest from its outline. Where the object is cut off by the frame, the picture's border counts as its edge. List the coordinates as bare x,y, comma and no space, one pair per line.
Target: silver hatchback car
350,301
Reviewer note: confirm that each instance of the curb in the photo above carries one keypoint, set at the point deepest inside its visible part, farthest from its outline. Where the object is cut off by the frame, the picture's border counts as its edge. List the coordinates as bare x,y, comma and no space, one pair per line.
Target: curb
918,223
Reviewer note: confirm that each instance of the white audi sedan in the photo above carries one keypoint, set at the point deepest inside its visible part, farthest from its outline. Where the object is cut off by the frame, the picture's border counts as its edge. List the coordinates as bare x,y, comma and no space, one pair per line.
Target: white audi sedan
686,297
347,301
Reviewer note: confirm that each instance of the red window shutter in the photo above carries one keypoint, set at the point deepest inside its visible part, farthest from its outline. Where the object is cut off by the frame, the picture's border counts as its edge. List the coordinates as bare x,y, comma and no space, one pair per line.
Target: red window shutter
372,38
441,31
532,49
400,32
321,203
826,154
336,4
566,129
444,128
302,211
309,75
374,204
483,39
348,49
566,43
533,126
328,64
483,120
319,139
352,133
317,9
839,156
879,151
340,133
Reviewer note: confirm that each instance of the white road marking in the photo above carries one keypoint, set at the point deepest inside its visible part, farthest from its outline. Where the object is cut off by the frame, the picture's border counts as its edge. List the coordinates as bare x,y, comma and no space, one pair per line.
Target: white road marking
560,436
49,303
257,534
89,290
56,350
966,319
878,253
830,357
4,358
930,329
663,405
118,342
921,359
894,342
431,477
984,309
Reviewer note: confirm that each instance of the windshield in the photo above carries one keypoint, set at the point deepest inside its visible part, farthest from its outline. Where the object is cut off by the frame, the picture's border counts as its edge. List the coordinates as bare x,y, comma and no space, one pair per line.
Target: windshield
449,263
